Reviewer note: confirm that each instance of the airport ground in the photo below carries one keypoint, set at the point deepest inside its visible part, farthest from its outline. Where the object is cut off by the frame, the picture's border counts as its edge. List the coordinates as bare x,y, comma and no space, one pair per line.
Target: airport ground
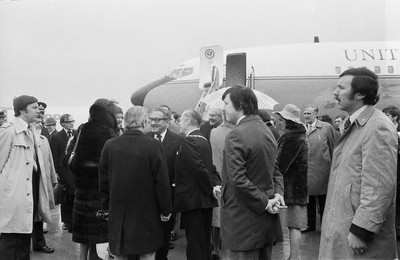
61,241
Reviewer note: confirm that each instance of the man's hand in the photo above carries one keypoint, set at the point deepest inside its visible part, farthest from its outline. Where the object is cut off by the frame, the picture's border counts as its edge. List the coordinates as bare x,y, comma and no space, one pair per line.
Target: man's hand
280,199
165,218
217,191
356,244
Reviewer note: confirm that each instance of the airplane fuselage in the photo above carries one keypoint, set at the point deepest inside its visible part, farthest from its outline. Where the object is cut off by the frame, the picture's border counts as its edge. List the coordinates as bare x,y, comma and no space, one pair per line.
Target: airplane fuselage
300,74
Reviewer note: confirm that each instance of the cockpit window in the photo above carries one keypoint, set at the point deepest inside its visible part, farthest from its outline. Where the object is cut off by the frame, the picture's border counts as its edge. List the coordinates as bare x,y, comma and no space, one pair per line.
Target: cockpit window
187,71
178,73
175,73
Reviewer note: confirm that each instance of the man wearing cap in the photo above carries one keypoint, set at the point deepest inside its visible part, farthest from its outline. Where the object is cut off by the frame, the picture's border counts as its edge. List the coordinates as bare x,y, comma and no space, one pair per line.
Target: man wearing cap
251,193
359,217
321,138
21,186
42,108
50,125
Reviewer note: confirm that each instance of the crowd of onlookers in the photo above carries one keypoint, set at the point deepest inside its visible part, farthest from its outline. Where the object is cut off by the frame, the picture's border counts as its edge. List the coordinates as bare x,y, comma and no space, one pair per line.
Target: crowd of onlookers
230,182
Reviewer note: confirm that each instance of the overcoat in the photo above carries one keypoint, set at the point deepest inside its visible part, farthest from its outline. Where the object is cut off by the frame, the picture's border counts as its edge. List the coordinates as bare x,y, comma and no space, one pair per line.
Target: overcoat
248,182
195,174
321,140
362,189
16,167
292,162
133,181
58,148
51,177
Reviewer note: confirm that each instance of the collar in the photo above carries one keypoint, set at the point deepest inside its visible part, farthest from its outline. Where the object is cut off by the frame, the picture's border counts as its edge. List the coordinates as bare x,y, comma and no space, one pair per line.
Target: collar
192,131
162,135
240,119
313,125
355,115
66,131
21,125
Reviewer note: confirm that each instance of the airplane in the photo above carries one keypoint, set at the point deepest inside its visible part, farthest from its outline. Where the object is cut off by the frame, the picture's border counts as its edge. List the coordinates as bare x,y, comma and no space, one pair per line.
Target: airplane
299,74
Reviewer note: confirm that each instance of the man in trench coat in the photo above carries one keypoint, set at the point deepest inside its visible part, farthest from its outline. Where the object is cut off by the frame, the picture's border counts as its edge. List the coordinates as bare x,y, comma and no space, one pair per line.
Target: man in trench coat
23,191
359,217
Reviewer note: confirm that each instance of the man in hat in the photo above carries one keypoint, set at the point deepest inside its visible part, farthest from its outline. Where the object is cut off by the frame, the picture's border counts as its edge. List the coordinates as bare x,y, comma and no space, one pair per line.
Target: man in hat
359,217
50,125
21,171
42,108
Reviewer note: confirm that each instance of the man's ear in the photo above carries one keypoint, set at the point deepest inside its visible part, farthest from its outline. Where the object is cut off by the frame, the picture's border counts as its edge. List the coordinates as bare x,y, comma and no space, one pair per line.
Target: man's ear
359,97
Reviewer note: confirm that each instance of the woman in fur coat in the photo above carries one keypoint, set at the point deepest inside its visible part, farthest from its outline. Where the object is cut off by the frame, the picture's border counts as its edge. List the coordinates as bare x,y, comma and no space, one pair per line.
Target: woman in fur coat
87,229
292,162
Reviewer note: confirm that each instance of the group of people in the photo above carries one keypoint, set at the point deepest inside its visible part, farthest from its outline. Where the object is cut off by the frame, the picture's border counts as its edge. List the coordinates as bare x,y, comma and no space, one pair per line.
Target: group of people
235,179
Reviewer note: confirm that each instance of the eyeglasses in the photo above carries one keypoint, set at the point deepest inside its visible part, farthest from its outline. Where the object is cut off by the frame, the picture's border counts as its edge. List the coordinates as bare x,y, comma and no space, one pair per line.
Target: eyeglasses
72,121
157,120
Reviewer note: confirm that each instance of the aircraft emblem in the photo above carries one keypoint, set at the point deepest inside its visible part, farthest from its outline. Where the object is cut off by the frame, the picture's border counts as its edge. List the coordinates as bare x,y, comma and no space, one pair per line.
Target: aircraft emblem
209,53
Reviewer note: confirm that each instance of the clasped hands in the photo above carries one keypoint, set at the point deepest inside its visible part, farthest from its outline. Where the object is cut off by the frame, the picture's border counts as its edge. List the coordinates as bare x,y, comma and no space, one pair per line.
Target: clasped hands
275,204
165,218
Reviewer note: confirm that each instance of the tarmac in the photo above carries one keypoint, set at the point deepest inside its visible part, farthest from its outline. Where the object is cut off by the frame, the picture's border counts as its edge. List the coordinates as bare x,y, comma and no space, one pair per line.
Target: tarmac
61,241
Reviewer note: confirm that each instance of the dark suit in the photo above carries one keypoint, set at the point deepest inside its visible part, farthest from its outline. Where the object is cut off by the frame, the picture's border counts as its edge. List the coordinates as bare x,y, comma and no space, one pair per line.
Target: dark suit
53,134
170,144
58,145
195,177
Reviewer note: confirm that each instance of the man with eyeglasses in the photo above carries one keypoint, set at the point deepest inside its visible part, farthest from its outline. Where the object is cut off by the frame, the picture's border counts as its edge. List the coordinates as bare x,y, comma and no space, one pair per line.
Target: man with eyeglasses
58,147
159,125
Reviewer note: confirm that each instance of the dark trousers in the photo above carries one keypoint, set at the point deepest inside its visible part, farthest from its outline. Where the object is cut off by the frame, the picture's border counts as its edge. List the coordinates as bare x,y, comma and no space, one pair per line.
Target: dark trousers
312,208
67,206
197,224
162,253
38,240
15,246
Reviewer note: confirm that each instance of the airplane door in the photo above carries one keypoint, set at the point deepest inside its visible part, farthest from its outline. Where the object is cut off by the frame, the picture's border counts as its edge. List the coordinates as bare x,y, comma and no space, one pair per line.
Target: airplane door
236,69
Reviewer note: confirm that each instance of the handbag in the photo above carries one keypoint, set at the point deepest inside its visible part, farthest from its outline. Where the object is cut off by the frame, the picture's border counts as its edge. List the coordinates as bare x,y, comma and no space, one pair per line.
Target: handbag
69,160
60,192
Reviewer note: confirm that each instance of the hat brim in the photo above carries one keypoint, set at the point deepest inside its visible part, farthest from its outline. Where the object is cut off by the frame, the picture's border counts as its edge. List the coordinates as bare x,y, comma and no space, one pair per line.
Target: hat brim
288,116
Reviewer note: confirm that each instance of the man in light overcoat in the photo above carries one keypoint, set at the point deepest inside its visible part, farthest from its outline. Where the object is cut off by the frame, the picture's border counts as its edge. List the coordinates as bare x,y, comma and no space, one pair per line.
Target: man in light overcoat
321,138
23,193
359,217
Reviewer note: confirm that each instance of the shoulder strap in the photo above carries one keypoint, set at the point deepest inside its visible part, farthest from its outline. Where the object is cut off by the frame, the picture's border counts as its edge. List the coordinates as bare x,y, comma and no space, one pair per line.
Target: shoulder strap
77,140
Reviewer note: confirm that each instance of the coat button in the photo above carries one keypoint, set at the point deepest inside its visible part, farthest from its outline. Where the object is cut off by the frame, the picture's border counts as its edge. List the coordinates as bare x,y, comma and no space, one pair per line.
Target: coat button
27,163
27,194
27,179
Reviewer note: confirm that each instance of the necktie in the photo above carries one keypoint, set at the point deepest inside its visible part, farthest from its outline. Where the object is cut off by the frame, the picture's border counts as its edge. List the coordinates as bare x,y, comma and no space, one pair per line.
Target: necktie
69,133
159,137
347,125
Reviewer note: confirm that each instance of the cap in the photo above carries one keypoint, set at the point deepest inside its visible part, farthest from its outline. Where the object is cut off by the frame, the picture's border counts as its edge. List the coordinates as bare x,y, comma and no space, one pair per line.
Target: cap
50,121
42,105
290,112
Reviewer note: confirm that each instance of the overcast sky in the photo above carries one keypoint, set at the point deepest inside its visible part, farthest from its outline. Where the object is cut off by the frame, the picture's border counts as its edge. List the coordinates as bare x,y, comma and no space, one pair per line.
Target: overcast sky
69,53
